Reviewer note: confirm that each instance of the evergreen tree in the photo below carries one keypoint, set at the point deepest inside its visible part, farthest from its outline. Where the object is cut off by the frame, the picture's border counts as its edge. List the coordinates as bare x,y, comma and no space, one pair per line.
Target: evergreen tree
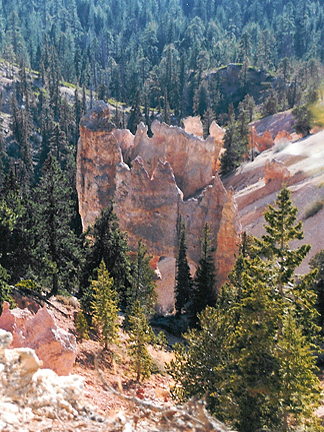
270,105
104,306
203,366
55,249
269,382
300,390
254,354
303,120
15,241
205,279
242,132
208,118
143,287
81,326
274,246
21,127
4,287
183,288
139,336
107,243
317,263
229,160
135,115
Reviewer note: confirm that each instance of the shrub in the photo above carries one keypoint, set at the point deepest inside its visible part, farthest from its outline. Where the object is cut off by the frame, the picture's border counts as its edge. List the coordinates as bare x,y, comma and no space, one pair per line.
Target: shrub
28,284
313,209
81,326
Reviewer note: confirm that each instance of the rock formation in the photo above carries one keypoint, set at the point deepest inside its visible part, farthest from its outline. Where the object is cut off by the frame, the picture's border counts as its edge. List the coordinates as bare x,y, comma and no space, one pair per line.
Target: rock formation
193,125
29,393
192,159
216,132
283,136
167,177
54,346
227,240
275,171
260,143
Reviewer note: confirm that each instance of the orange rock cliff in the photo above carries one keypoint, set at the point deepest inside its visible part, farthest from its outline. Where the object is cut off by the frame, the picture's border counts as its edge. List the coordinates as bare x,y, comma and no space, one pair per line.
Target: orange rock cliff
168,177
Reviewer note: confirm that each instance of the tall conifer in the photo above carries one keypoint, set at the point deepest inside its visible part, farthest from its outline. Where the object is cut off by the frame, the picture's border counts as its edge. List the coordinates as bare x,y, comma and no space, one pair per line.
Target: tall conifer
104,306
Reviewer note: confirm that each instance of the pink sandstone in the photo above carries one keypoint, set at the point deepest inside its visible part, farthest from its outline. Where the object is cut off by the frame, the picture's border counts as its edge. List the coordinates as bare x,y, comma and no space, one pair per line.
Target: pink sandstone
54,346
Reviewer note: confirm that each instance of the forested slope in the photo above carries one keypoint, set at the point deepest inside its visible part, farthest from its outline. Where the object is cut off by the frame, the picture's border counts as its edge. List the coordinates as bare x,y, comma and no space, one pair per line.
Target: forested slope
157,52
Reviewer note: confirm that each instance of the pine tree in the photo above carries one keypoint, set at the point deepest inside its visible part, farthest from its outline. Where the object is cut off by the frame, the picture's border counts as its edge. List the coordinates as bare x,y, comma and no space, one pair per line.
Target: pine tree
81,326
229,160
274,246
268,380
15,241
139,336
135,115
303,118
317,263
4,287
300,390
183,277
104,306
143,286
21,127
205,279
254,354
55,249
203,366
107,243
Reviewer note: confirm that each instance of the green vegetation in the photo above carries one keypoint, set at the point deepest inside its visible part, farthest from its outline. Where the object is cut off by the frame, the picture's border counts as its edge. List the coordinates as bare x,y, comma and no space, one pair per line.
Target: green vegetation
104,306
303,120
173,63
4,287
253,355
317,264
205,279
314,209
139,336
81,326
251,352
236,138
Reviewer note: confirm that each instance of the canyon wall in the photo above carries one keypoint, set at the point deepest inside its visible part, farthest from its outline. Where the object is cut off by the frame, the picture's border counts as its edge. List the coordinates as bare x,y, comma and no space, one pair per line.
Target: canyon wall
168,177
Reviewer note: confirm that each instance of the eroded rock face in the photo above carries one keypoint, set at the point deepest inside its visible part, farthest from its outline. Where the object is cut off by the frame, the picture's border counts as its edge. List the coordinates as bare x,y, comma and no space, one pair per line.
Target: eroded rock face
217,132
98,157
54,346
147,207
261,143
192,159
283,136
168,177
275,171
193,125
227,238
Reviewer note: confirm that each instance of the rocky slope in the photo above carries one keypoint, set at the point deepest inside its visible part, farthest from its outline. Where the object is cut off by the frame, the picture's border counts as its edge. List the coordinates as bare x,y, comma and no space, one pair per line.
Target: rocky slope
168,177
34,399
300,164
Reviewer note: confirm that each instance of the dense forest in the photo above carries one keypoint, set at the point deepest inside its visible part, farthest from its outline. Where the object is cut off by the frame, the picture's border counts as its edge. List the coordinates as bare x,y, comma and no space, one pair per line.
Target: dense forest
168,53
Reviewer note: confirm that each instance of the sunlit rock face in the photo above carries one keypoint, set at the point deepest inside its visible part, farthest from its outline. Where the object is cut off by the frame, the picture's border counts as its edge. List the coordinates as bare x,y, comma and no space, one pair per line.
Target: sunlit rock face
55,347
168,177
275,170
